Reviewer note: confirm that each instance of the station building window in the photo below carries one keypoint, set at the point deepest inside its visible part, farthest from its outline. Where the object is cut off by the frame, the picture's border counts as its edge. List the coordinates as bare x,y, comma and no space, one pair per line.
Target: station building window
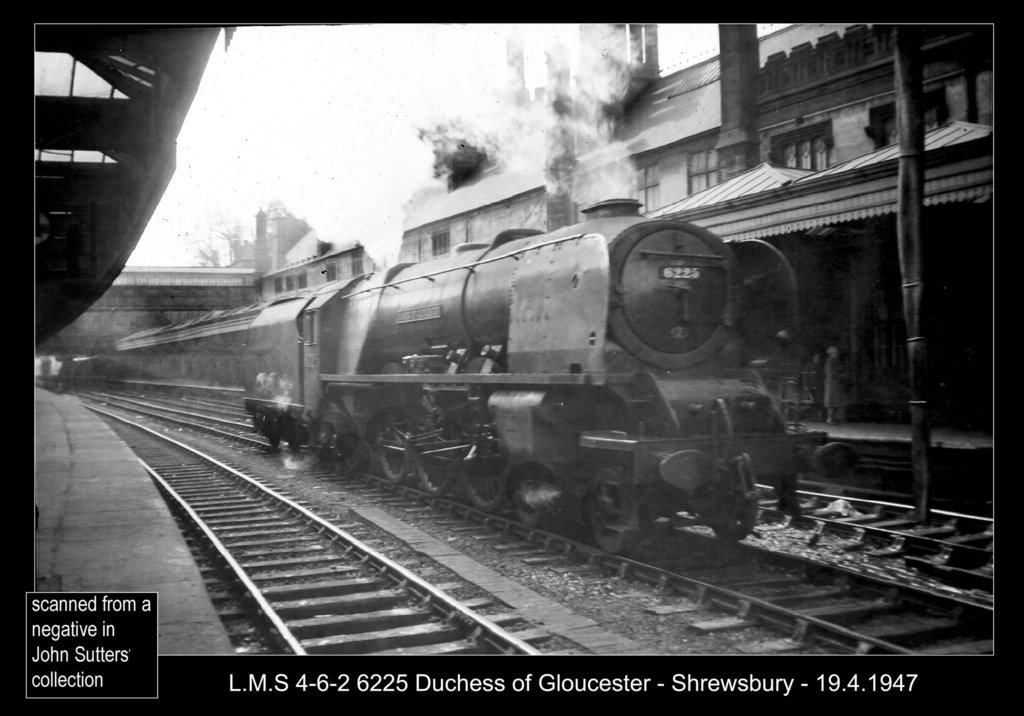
439,243
805,148
301,278
289,283
649,187
703,170
882,120
357,265
277,285
332,271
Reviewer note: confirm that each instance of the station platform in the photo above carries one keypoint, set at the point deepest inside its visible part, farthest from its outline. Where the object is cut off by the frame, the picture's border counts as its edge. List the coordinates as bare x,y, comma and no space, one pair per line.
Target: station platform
104,527
897,434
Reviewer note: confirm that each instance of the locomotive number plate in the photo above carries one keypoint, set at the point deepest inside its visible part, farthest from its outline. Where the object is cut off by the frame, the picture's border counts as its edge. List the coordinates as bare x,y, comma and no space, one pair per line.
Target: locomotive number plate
672,273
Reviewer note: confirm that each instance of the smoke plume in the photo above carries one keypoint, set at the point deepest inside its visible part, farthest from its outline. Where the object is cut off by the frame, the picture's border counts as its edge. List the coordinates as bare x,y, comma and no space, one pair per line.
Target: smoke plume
344,124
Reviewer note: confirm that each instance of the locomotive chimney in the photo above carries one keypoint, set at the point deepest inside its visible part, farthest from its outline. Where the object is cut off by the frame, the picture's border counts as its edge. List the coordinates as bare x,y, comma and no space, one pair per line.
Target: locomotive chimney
612,207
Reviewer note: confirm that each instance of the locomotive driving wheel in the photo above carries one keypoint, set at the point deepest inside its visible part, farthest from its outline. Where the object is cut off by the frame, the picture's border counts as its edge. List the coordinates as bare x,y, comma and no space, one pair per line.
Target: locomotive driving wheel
435,476
483,470
485,489
388,438
435,448
614,514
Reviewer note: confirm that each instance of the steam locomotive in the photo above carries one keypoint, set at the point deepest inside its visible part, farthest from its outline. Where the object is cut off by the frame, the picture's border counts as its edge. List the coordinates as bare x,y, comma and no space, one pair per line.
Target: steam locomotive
597,373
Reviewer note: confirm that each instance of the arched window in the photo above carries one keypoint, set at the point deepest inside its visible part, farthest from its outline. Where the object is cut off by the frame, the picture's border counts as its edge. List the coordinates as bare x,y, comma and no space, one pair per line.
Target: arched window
809,147
805,154
820,153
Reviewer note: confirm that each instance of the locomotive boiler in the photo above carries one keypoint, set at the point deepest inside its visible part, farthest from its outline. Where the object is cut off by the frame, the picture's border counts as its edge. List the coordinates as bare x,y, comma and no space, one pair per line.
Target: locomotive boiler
594,373
599,373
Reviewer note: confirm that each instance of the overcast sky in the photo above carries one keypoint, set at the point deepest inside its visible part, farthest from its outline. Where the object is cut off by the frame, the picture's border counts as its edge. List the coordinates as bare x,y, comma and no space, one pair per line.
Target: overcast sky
324,119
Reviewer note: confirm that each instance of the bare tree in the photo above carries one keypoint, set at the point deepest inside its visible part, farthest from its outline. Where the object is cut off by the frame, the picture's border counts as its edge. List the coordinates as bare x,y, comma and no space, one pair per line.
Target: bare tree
217,241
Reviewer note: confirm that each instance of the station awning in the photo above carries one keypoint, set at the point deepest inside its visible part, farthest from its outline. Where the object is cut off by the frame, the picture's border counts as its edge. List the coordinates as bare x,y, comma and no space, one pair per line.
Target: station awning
958,168
110,101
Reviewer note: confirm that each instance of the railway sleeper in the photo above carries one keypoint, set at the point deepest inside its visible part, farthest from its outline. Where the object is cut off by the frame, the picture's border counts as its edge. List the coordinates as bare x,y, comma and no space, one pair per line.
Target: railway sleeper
981,646
794,600
533,636
249,510
936,532
242,522
203,492
247,543
200,503
851,612
329,570
419,635
448,648
346,604
281,552
313,590
772,646
376,621
275,564
910,632
978,578
897,524
280,527
980,539
766,583
724,624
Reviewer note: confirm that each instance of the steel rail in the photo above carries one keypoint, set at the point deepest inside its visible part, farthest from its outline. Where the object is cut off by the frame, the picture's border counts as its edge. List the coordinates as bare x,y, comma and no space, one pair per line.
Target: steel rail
743,603
493,633
264,606
895,505
178,421
175,411
764,610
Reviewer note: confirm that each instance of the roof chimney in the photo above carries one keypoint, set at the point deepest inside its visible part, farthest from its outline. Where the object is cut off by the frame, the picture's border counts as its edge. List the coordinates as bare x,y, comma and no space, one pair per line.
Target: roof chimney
737,139
261,251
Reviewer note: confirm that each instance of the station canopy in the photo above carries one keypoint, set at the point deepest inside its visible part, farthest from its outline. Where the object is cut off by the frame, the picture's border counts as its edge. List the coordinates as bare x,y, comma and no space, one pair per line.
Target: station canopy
110,101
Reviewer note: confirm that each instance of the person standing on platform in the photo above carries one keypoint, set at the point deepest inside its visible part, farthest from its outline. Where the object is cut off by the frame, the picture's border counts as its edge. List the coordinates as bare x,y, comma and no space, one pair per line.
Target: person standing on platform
835,387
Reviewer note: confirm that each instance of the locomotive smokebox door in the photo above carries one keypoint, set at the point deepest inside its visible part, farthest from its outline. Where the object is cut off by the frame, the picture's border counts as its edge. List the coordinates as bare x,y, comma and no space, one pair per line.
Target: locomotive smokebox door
673,301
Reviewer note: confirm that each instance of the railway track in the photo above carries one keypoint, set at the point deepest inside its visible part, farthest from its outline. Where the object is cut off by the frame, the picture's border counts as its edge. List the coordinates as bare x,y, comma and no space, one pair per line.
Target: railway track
955,548
229,429
851,605
952,548
311,585
813,604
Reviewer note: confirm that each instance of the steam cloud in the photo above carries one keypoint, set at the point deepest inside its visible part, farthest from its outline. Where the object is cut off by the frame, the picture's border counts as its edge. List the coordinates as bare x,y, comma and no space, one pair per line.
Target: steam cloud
344,123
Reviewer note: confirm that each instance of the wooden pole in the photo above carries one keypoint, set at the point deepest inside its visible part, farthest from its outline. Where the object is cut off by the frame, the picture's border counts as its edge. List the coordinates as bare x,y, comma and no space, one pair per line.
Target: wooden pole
907,42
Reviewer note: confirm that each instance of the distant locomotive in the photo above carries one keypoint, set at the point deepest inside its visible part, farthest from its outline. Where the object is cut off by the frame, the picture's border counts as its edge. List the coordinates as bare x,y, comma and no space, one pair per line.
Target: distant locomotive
594,373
